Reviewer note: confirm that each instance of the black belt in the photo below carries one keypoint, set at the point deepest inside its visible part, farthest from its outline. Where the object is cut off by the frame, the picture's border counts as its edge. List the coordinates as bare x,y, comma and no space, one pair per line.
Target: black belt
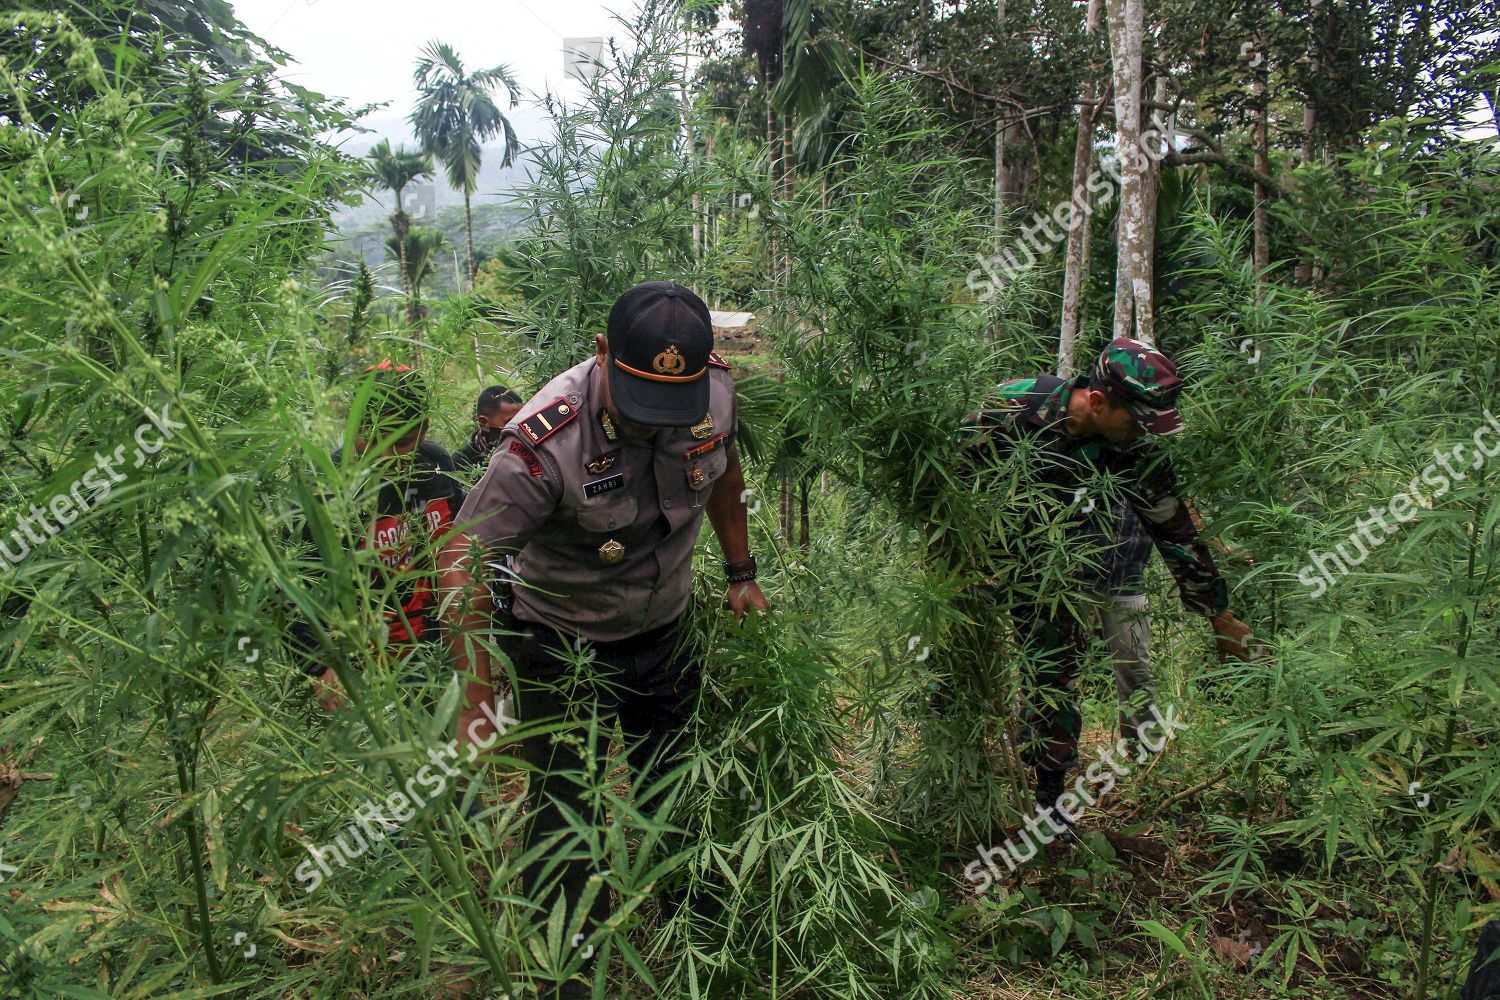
628,646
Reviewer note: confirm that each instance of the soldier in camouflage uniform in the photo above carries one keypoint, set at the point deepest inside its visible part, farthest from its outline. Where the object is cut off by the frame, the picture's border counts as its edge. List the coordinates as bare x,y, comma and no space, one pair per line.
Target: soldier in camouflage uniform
1086,428
1118,589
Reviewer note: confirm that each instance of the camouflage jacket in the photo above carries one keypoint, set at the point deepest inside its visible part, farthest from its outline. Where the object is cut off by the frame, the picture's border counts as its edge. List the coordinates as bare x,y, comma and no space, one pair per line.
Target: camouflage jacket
1073,466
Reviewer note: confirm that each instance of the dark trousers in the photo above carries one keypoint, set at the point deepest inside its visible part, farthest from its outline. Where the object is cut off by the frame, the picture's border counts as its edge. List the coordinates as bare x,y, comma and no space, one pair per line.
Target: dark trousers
650,682
1055,642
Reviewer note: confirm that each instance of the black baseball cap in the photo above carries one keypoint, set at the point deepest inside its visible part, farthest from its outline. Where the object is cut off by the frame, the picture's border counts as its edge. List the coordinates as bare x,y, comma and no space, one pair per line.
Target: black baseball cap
659,339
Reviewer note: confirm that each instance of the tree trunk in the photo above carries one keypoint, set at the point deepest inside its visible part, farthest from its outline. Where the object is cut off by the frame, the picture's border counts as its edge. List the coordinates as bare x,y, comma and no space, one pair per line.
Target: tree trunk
999,149
805,534
999,184
788,504
711,233
1262,250
401,223
692,147
1075,268
786,184
710,220
1153,149
469,231
1133,298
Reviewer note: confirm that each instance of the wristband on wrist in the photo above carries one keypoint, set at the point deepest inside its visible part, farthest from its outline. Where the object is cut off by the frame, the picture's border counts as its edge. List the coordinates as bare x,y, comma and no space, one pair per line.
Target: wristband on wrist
740,572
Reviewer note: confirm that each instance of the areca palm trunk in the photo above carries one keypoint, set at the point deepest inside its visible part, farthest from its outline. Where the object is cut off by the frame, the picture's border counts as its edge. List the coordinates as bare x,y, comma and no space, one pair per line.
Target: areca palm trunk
469,233
401,223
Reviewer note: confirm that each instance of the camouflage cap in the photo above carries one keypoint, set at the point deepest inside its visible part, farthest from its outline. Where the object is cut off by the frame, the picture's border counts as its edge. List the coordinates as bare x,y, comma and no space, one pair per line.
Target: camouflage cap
1145,379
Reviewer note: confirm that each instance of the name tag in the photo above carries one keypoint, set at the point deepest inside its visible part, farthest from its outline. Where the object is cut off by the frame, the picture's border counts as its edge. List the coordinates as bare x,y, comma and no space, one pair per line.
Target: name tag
604,485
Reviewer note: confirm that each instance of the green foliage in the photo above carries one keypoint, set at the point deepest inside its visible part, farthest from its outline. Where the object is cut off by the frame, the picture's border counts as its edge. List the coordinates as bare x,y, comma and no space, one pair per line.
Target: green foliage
161,230
611,202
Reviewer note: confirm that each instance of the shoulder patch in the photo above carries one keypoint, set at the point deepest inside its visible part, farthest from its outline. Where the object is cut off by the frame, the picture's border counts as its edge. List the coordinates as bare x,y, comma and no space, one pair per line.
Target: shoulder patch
533,464
716,361
549,420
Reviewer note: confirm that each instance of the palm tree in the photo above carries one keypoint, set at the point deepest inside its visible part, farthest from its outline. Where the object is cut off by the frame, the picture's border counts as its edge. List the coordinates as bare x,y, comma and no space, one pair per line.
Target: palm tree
456,115
418,250
397,168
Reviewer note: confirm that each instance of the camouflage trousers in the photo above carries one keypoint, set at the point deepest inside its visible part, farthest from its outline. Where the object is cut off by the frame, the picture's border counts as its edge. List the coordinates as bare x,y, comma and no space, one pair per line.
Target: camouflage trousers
1056,640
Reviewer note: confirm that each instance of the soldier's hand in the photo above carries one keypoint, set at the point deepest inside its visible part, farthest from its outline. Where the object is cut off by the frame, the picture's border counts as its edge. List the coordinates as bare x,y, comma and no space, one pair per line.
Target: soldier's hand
328,691
1233,638
742,597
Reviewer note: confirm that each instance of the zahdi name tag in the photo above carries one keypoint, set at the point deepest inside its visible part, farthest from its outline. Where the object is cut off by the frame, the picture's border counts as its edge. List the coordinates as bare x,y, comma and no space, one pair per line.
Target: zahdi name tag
604,485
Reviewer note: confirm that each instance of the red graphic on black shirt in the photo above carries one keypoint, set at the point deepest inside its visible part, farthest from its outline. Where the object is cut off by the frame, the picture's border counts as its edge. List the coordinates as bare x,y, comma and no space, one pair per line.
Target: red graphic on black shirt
392,544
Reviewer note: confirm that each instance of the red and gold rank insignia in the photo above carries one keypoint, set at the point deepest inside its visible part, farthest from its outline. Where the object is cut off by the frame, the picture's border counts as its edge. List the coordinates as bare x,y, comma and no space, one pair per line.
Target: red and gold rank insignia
548,420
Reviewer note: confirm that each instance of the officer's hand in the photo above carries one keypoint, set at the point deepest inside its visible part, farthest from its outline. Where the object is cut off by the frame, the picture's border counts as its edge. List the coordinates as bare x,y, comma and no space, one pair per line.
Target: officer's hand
1233,639
742,597
328,691
477,729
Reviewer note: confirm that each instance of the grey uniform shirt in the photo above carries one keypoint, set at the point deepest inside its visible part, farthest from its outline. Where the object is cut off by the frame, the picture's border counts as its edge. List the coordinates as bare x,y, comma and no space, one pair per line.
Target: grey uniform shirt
602,528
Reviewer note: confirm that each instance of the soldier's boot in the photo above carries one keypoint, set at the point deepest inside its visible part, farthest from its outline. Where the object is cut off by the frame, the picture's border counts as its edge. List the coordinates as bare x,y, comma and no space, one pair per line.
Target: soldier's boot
1049,788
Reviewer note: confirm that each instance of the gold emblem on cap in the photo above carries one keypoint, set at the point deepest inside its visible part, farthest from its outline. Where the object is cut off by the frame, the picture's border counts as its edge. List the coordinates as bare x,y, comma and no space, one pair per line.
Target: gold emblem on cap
669,362
705,428
611,551
599,465
697,477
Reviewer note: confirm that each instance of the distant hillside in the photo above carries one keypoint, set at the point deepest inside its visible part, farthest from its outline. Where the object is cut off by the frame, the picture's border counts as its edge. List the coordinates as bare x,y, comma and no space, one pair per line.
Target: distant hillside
494,226
361,230
497,184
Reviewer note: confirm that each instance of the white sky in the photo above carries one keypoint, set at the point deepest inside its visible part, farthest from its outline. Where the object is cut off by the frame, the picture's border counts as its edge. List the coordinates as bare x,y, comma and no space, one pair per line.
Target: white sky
364,50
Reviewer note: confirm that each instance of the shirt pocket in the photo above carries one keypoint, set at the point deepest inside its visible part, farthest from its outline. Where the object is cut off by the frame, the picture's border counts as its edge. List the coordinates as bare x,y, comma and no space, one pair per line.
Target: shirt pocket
614,517
704,471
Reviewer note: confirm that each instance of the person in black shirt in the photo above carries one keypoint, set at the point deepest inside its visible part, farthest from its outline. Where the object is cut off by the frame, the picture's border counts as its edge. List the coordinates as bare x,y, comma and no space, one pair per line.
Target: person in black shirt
495,408
410,511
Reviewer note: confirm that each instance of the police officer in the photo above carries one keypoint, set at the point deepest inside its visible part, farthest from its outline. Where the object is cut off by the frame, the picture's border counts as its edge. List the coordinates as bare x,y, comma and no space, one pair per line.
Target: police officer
1092,425
597,490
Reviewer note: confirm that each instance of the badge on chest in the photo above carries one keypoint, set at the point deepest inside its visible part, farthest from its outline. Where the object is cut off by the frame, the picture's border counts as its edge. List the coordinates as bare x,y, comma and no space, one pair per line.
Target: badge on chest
602,464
